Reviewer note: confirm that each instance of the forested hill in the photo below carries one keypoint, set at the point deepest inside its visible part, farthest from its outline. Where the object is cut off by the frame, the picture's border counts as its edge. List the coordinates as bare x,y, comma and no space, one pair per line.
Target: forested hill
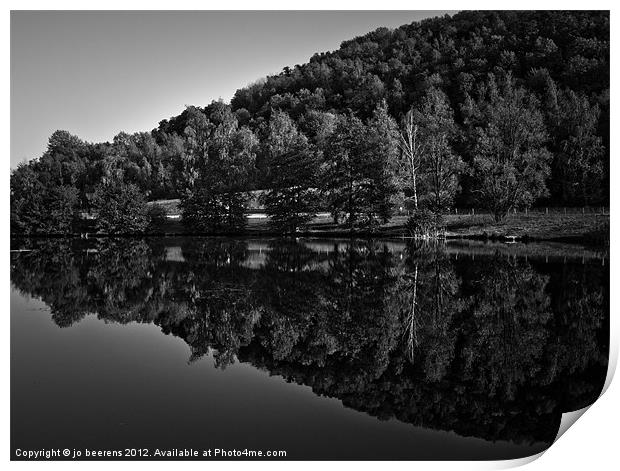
569,49
512,101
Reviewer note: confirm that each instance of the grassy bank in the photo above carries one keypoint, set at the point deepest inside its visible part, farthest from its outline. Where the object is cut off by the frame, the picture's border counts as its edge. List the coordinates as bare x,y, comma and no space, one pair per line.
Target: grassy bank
556,225
582,228
590,228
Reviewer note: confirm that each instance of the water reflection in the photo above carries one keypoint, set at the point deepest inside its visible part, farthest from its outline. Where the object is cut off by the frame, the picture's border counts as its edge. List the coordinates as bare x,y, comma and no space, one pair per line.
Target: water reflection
495,347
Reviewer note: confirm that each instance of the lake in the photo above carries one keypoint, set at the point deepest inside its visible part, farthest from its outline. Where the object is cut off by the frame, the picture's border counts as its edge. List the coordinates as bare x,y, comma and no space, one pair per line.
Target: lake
325,349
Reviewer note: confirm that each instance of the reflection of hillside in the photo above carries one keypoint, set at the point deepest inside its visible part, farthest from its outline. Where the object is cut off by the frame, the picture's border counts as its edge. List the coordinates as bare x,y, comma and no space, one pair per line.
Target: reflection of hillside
497,347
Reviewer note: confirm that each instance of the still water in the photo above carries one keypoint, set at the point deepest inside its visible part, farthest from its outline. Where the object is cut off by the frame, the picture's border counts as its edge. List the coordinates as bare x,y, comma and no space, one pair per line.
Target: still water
326,349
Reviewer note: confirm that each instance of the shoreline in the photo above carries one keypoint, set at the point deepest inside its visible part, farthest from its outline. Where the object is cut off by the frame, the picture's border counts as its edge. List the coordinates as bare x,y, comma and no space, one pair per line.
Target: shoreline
482,237
588,229
529,249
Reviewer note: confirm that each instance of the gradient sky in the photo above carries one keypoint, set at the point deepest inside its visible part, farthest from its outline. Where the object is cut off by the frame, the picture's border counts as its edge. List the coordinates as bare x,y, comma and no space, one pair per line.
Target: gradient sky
97,73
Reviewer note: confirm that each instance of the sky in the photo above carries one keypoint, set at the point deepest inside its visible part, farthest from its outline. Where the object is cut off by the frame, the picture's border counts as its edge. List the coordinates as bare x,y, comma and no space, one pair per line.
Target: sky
95,74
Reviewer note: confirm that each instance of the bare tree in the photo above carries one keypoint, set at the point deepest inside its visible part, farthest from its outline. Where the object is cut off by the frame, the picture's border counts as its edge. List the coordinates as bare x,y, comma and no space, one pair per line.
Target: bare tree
411,148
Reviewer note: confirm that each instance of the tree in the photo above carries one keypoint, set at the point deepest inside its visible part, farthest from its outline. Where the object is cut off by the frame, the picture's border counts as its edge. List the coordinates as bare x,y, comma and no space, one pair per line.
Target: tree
63,163
427,160
120,208
24,186
510,161
215,199
440,165
317,126
344,181
359,182
580,162
382,142
196,155
291,198
141,161
173,148
205,210
410,157
38,208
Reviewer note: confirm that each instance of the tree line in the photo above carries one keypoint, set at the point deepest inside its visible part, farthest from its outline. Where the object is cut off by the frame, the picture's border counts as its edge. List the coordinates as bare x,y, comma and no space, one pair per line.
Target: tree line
499,110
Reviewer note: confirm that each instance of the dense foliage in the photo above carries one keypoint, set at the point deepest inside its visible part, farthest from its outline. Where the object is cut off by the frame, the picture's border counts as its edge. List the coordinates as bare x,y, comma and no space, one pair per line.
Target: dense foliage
40,209
291,198
357,181
501,110
511,161
120,208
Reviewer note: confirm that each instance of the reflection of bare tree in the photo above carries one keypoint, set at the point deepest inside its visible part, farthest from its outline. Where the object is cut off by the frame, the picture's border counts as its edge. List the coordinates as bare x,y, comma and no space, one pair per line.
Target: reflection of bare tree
501,346
427,294
412,323
441,301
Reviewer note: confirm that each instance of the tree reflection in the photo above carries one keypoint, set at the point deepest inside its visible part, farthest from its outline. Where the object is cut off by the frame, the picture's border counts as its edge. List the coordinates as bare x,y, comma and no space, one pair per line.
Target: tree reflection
496,348
509,316
429,293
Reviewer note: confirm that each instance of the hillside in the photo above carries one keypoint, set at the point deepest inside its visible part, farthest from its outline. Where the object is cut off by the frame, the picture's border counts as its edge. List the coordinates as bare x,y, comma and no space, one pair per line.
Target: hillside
517,102
550,53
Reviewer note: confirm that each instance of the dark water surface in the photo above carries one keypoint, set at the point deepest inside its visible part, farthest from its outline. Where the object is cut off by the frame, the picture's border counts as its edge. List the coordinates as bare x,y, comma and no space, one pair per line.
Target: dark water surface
326,349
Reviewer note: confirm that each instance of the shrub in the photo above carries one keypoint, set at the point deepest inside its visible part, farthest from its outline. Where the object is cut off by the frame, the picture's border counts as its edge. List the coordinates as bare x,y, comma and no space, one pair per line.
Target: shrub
424,223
